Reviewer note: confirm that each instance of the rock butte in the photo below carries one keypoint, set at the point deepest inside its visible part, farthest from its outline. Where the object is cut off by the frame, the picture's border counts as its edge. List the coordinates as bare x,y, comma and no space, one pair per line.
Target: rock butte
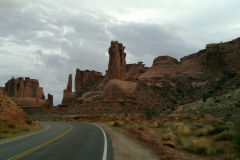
27,92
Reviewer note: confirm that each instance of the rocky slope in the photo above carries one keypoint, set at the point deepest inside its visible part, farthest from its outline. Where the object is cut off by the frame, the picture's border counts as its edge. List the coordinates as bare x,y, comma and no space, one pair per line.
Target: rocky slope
10,113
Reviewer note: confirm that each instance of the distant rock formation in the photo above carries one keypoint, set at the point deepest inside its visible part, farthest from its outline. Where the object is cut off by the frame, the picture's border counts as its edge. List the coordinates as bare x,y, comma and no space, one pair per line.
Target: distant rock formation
84,79
214,57
135,70
26,92
50,100
68,96
117,62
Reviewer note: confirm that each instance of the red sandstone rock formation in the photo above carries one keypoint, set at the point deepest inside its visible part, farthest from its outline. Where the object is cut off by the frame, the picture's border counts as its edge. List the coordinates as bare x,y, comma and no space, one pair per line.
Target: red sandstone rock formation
68,96
25,92
119,90
214,57
24,88
135,70
50,100
69,86
84,79
117,62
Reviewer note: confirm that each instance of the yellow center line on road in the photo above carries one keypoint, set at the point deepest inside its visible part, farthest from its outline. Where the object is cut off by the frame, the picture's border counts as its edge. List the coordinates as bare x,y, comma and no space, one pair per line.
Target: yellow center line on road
42,145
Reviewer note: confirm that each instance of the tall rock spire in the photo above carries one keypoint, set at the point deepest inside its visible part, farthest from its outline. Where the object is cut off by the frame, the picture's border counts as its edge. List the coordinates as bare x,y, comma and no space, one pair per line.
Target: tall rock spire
117,62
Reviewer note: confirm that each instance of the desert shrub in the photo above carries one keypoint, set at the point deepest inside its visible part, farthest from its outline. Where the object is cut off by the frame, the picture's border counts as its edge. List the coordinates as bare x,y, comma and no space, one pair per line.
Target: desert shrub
218,150
140,128
21,129
237,135
204,131
116,124
157,124
227,116
195,145
168,136
29,122
150,112
237,105
181,129
204,98
12,126
225,135
122,104
218,129
198,125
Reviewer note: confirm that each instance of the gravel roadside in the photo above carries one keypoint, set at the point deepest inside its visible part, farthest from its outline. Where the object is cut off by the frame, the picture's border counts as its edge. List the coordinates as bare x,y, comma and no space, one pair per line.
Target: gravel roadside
126,148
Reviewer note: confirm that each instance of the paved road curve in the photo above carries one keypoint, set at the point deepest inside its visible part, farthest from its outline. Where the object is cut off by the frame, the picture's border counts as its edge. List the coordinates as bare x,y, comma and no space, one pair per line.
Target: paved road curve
60,141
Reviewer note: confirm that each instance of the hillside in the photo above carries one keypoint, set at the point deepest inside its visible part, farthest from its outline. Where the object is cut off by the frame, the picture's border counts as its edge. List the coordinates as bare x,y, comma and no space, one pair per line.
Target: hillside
13,120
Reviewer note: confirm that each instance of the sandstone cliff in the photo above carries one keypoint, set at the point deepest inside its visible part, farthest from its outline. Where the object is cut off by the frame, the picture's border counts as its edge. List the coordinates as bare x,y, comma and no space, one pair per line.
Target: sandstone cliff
85,79
117,62
26,92
213,58
135,70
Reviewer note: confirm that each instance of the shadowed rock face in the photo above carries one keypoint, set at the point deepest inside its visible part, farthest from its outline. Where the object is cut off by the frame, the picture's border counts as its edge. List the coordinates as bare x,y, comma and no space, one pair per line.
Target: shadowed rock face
85,79
117,62
50,99
69,85
26,92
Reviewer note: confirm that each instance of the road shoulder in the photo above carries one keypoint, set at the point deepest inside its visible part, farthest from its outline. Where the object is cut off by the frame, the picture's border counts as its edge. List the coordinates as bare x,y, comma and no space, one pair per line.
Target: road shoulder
126,148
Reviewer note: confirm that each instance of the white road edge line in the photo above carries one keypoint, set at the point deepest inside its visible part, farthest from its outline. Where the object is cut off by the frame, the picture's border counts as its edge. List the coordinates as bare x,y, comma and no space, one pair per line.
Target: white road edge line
105,143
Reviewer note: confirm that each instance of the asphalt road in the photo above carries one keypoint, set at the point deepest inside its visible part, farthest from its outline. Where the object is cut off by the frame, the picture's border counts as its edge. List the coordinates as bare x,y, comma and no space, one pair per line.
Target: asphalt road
60,141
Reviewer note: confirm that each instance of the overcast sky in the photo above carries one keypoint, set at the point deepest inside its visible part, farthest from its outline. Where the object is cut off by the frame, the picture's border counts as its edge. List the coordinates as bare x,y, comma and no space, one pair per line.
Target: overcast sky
48,39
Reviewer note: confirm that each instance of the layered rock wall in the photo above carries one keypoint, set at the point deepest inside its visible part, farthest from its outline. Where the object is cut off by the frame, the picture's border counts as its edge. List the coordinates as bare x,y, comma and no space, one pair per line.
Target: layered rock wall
135,70
26,92
214,57
84,79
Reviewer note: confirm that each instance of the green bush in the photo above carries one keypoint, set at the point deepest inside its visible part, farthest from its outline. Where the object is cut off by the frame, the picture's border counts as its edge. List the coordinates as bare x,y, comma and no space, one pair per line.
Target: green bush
12,126
150,112
218,150
116,124
237,135
29,122
197,146
218,129
225,135
21,129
